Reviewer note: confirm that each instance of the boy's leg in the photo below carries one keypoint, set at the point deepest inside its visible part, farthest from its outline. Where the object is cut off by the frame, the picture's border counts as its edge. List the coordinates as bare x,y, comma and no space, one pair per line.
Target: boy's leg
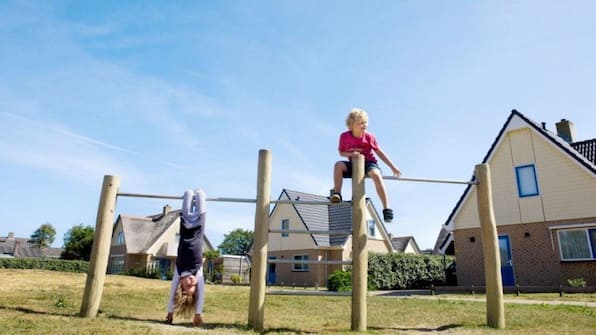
375,175
338,178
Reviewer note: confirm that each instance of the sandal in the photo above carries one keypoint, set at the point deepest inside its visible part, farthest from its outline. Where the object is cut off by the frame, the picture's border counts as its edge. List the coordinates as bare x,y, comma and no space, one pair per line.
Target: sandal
336,197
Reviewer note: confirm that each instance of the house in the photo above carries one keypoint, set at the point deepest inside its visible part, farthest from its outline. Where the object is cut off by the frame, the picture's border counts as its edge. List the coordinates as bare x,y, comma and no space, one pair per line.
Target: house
317,247
405,244
20,247
147,242
544,199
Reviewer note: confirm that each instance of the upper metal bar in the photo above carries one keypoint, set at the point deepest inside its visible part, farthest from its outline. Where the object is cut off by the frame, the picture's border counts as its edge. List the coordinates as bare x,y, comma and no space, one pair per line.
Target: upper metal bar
314,232
179,197
311,202
424,180
307,261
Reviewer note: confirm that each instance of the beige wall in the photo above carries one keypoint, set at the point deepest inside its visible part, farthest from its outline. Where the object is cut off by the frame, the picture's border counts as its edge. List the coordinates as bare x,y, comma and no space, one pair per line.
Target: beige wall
292,241
566,189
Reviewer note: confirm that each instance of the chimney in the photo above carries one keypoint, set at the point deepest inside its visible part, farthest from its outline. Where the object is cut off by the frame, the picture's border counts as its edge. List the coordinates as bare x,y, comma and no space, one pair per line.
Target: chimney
565,130
11,235
166,209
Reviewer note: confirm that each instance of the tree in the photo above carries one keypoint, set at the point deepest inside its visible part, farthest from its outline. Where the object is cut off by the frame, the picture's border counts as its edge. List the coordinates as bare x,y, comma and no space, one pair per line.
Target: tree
237,242
44,236
78,241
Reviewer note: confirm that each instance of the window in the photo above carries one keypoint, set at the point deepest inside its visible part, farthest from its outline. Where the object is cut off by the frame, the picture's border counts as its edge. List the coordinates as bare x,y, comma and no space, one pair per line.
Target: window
527,185
300,266
117,264
577,244
285,225
371,227
120,238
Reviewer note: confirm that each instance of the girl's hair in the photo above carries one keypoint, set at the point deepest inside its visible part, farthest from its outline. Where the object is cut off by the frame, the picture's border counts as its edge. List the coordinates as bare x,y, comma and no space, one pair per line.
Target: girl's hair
184,304
357,114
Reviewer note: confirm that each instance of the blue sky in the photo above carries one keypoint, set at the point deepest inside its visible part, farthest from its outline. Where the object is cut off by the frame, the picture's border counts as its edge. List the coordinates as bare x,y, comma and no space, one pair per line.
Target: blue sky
182,94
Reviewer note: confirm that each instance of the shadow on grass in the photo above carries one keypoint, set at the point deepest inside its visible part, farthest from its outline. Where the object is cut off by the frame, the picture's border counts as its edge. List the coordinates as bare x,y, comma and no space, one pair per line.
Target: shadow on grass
32,311
419,329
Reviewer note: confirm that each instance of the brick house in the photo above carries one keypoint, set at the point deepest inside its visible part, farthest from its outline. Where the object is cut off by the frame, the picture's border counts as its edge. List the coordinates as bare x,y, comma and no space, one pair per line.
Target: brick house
293,246
544,198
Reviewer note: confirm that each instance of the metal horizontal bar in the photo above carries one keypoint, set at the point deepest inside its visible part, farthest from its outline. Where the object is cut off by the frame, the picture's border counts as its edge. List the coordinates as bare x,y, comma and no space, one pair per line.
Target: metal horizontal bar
179,197
291,261
309,292
311,202
321,232
424,180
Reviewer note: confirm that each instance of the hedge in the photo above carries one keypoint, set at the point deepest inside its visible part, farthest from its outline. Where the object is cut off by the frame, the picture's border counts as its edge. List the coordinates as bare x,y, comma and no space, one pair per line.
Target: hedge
402,271
396,271
44,264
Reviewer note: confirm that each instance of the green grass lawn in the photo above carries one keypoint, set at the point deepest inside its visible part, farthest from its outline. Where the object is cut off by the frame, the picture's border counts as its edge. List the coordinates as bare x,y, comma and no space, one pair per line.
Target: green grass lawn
45,302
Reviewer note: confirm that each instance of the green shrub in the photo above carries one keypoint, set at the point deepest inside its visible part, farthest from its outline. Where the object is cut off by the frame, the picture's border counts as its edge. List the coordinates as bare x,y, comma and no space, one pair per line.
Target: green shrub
401,271
340,281
236,279
44,264
141,271
576,282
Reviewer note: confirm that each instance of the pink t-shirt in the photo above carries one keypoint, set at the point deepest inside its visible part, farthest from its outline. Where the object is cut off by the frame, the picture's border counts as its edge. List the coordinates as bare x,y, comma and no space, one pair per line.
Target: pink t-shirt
365,144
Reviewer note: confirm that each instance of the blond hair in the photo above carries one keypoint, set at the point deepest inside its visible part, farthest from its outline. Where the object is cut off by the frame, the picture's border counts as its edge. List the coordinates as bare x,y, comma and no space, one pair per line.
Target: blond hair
184,304
356,115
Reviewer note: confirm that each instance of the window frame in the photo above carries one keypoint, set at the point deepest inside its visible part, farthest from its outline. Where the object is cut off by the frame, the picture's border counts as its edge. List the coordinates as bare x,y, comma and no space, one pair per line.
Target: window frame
588,233
518,178
371,224
287,222
300,267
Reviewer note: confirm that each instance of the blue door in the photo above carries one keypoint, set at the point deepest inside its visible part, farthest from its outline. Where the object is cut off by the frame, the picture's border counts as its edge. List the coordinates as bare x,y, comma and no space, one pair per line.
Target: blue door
271,272
506,261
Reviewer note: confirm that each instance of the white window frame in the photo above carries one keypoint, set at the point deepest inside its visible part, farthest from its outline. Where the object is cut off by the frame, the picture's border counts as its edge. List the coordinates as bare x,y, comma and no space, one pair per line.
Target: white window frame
590,245
372,227
300,267
286,223
526,187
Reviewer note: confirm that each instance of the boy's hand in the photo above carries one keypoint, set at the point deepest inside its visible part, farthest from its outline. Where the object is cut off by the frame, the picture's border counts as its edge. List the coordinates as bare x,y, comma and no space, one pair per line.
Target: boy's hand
197,321
170,318
397,172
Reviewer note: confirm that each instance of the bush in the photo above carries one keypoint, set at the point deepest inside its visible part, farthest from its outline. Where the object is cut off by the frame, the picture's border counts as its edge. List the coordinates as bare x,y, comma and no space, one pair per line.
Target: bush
340,281
143,272
577,282
402,271
236,279
44,264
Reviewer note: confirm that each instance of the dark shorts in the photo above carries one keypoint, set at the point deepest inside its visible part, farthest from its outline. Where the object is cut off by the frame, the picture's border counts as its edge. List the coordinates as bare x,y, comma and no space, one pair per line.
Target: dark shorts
367,167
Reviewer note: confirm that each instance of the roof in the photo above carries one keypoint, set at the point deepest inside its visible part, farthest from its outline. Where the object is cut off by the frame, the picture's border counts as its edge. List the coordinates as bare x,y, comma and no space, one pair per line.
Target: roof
587,149
320,217
582,153
19,247
141,233
400,243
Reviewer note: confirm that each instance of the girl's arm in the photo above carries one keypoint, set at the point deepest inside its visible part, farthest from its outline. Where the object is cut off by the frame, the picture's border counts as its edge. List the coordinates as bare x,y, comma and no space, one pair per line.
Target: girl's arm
200,298
173,288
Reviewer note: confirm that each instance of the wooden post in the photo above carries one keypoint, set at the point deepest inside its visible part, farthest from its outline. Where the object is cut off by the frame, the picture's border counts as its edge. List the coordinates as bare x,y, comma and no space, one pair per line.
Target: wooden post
256,304
100,251
495,309
359,250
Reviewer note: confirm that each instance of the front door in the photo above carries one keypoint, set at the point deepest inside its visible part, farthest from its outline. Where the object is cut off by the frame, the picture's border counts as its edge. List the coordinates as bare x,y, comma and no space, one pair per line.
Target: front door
271,272
506,261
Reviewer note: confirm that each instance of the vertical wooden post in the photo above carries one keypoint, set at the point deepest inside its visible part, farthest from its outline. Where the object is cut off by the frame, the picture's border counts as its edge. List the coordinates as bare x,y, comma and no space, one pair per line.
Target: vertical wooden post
100,251
495,309
359,249
256,304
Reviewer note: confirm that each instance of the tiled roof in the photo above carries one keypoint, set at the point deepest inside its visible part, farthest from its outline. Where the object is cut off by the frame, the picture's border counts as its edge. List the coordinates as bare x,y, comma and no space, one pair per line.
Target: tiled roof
319,217
401,243
25,250
587,148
